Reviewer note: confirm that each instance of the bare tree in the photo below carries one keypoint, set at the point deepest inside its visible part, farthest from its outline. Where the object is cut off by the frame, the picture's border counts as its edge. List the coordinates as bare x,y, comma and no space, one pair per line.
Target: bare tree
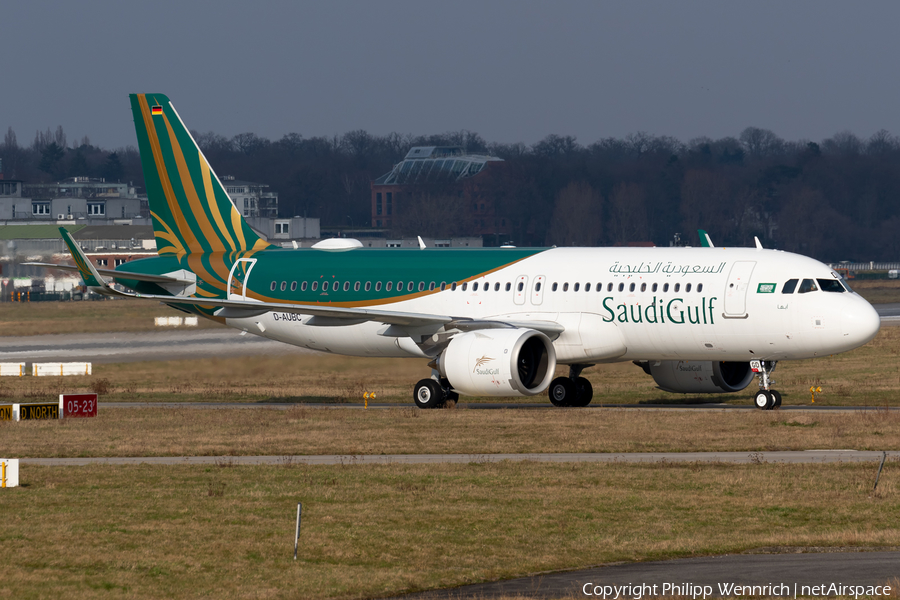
629,220
705,198
759,143
576,217
9,140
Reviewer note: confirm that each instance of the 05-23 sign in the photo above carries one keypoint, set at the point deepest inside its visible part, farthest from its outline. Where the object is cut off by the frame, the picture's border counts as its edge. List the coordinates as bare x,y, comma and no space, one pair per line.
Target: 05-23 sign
78,405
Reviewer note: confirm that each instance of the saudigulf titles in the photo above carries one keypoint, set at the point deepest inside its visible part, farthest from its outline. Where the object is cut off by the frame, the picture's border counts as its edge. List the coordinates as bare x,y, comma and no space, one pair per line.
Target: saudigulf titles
674,311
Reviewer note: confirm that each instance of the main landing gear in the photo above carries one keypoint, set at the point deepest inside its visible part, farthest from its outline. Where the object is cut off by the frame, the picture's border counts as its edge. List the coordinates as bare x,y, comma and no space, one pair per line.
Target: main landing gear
433,393
765,398
572,390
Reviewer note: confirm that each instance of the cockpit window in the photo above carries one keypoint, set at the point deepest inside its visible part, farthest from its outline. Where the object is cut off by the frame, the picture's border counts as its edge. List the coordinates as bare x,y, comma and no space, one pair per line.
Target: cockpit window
789,286
830,285
807,285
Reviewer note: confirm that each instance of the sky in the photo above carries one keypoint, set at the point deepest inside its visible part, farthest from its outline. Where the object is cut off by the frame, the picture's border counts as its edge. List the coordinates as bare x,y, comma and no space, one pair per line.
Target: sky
512,71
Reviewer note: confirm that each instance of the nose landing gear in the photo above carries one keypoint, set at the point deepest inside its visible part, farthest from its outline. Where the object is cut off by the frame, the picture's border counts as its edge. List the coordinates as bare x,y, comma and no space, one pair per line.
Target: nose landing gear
766,398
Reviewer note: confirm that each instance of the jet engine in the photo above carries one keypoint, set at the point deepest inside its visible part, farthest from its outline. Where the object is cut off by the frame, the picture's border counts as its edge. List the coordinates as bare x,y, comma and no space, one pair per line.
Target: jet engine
499,362
699,377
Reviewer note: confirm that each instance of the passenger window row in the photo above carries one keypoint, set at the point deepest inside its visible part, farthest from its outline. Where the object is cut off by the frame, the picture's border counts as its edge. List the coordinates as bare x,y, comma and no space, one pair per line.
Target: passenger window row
411,286
621,287
400,286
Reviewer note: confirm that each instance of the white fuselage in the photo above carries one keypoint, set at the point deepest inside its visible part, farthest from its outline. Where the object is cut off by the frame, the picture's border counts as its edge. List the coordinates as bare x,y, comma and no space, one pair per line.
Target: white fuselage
720,304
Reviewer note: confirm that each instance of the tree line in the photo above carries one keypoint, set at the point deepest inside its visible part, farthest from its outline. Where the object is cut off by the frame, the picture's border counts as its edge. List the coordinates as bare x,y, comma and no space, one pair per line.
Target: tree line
838,199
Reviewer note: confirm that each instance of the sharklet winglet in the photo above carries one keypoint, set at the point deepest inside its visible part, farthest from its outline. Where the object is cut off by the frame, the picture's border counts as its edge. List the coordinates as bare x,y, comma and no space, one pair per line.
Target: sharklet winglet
88,272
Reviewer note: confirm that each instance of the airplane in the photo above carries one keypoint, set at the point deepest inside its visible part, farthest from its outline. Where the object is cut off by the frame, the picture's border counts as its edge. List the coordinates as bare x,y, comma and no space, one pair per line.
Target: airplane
488,321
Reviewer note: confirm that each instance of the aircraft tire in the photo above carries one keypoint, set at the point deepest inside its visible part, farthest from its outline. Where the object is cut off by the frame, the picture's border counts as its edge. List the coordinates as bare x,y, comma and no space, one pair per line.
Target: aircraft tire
562,392
763,400
584,392
776,395
428,393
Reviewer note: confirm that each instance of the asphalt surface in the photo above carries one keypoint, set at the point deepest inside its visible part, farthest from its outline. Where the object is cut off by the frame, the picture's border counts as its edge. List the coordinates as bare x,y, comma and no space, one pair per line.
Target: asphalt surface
485,406
791,570
787,457
170,344
889,313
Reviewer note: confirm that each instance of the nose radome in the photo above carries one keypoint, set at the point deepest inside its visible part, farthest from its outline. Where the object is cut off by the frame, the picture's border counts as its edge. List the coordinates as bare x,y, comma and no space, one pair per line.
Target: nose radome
859,321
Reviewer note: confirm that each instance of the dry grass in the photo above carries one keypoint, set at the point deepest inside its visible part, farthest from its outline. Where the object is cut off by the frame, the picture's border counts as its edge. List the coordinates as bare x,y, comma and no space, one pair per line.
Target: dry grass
43,318
152,531
305,431
867,376
877,291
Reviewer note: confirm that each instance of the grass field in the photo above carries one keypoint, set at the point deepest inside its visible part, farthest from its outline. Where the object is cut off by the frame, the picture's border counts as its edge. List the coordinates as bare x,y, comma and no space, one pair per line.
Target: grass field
866,376
304,430
226,532
877,291
43,318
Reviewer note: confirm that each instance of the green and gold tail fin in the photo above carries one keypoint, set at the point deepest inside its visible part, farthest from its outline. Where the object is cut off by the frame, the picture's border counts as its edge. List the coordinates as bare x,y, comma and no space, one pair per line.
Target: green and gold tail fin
191,211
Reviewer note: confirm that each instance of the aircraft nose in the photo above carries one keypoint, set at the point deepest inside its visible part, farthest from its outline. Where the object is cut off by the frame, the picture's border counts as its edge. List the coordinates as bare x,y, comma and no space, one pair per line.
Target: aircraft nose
859,322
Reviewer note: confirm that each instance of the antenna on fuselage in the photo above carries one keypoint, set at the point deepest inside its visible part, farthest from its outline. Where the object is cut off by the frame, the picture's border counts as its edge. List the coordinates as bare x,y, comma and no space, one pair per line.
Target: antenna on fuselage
421,243
759,245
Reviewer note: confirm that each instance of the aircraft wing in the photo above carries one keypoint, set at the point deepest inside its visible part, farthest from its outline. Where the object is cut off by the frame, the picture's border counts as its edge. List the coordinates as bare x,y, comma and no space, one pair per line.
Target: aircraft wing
335,315
116,274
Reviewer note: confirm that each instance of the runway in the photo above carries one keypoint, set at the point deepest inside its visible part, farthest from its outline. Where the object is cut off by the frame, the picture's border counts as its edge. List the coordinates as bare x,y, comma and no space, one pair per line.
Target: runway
792,570
139,346
482,406
174,344
786,457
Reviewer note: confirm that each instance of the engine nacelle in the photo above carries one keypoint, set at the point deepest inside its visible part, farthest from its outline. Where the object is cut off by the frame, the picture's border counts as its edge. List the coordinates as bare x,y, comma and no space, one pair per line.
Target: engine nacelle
499,362
700,377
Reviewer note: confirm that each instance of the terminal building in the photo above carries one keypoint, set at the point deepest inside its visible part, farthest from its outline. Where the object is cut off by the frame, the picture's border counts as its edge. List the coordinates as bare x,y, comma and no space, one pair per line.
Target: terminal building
448,170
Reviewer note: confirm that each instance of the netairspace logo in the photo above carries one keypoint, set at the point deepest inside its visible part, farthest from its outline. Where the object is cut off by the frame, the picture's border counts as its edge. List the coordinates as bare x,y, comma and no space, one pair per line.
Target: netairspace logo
694,591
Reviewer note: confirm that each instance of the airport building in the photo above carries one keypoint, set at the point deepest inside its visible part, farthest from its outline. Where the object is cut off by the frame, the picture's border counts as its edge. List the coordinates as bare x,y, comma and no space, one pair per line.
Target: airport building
75,199
251,199
445,170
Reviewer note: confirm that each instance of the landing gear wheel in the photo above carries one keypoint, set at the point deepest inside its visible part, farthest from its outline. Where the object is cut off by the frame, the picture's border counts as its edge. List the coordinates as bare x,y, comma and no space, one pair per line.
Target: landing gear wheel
777,396
584,391
764,400
562,392
428,393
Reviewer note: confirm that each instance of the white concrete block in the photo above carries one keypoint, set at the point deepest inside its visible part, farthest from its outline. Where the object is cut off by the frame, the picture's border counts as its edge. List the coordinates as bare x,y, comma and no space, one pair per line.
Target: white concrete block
60,369
168,321
12,369
9,472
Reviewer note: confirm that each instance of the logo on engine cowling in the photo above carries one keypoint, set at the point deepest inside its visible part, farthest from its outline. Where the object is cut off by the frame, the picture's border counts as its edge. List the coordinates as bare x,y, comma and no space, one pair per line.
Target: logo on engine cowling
480,362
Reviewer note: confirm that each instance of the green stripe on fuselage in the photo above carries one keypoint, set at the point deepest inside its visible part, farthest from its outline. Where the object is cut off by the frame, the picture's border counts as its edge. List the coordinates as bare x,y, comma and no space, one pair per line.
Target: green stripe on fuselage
363,265
371,265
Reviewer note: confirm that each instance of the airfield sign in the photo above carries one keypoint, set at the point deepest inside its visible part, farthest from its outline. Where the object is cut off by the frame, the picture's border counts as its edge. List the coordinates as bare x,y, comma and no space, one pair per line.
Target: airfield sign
38,411
78,405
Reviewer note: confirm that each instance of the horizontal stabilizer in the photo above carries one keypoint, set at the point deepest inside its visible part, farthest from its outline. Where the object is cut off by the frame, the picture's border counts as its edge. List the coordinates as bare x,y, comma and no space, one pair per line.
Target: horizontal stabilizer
117,274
